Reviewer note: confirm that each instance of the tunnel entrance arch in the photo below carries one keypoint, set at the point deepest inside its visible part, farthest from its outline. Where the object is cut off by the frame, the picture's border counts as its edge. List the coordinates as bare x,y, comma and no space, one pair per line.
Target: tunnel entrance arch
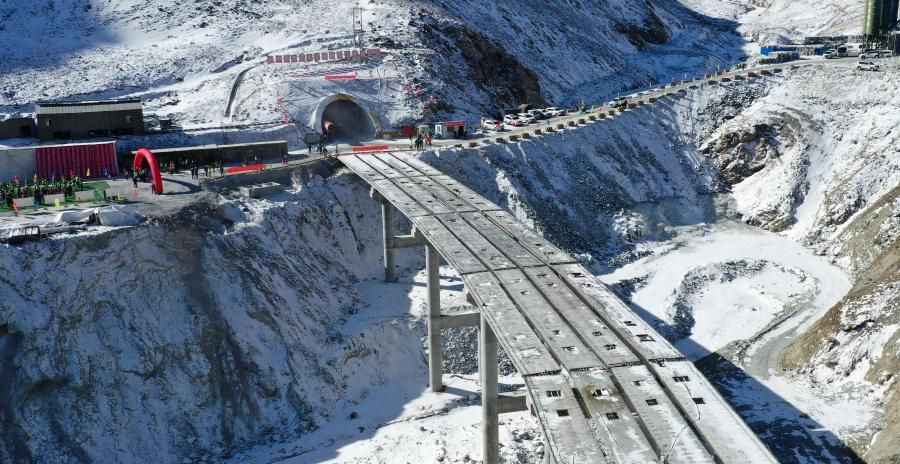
346,118
146,156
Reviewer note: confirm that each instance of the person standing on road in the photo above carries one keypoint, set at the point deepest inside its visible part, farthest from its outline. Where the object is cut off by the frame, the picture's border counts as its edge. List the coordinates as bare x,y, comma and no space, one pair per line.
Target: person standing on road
134,179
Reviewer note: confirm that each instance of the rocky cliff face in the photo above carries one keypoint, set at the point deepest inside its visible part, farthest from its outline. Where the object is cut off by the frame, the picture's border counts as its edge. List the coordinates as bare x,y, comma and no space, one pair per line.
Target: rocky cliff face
824,170
194,336
583,51
858,341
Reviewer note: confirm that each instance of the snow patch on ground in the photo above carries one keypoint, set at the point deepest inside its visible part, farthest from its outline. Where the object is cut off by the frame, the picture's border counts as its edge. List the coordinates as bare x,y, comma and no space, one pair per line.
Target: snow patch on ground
690,280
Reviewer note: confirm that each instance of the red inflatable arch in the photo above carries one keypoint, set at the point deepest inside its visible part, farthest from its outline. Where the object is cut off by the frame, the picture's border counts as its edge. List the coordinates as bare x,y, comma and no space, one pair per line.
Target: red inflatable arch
139,158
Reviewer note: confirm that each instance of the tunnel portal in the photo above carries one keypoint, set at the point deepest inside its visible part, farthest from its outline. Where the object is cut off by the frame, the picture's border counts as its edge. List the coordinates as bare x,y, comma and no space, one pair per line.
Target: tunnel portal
346,121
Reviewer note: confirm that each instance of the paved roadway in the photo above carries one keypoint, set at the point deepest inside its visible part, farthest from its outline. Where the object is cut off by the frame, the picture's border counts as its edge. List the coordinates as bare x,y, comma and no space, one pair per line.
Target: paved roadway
605,387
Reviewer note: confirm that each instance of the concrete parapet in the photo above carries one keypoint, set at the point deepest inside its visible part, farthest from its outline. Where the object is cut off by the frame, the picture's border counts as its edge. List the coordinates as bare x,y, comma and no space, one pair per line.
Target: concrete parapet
261,190
85,195
24,202
51,200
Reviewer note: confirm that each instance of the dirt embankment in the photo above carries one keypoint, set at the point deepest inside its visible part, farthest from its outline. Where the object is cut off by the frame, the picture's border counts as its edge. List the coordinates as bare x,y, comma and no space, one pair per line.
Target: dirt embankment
861,331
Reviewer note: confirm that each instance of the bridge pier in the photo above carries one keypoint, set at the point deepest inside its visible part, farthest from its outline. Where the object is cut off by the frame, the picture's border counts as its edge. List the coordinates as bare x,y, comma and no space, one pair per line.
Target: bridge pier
487,368
435,354
387,227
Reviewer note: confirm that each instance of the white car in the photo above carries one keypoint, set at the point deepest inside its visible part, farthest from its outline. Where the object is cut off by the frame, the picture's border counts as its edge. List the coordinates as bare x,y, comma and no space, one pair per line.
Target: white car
618,102
867,66
555,112
491,124
512,120
525,118
868,55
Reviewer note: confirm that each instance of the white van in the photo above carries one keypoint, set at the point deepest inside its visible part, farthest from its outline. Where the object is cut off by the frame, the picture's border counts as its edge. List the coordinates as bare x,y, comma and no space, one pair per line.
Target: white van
850,49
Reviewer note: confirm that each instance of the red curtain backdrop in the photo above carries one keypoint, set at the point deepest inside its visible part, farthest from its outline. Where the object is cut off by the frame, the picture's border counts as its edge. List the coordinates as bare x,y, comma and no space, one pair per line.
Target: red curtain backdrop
64,160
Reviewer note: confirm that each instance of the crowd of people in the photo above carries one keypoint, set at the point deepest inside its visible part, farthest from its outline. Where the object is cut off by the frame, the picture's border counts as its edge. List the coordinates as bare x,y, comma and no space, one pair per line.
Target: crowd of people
38,188
421,140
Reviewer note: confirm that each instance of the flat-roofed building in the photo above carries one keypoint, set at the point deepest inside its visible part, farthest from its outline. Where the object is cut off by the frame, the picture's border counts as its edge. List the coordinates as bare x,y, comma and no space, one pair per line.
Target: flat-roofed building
88,119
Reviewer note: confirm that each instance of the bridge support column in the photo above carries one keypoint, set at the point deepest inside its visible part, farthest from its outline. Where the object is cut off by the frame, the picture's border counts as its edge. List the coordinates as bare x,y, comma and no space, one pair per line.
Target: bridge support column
387,226
487,367
435,354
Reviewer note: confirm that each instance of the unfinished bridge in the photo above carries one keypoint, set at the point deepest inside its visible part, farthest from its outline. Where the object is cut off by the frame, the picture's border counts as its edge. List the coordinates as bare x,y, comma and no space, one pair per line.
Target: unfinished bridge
603,384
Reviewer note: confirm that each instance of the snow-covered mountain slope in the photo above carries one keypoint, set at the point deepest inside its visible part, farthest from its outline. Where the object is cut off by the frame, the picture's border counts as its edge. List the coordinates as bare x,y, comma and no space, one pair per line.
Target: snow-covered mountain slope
183,58
583,50
598,189
810,155
226,325
817,157
812,152
775,21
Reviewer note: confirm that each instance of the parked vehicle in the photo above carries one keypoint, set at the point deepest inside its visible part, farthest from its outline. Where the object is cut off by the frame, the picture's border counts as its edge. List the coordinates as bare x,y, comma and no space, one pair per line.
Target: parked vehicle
618,102
526,118
867,66
512,120
832,55
885,53
850,49
868,55
491,124
538,115
555,112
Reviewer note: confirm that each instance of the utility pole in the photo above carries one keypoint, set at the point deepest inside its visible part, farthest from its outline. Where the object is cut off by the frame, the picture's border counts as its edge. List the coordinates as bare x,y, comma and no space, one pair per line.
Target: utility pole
358,30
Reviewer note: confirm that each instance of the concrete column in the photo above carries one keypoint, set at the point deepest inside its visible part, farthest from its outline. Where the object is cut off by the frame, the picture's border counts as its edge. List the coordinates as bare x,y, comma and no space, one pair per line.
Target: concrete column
487,367
435,354
387,228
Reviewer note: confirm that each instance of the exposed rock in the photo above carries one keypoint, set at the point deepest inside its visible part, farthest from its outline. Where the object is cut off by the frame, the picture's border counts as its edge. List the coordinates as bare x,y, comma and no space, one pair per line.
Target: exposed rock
652,31
740,154
490,68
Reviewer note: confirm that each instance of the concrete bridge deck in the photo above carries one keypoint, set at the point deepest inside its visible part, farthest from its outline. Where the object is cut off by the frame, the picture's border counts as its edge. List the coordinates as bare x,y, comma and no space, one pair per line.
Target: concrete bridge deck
603,384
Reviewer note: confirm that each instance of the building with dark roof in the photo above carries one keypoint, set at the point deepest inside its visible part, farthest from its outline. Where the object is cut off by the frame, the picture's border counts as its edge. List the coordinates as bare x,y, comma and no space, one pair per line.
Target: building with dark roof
88,119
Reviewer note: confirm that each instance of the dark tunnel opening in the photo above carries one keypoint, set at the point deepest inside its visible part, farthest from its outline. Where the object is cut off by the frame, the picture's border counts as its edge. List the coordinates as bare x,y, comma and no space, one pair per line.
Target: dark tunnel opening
347,122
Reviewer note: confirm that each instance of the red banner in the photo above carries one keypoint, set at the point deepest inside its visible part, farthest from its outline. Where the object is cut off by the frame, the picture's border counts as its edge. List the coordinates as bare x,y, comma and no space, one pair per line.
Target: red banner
247,168
454,124
341,77
370,148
